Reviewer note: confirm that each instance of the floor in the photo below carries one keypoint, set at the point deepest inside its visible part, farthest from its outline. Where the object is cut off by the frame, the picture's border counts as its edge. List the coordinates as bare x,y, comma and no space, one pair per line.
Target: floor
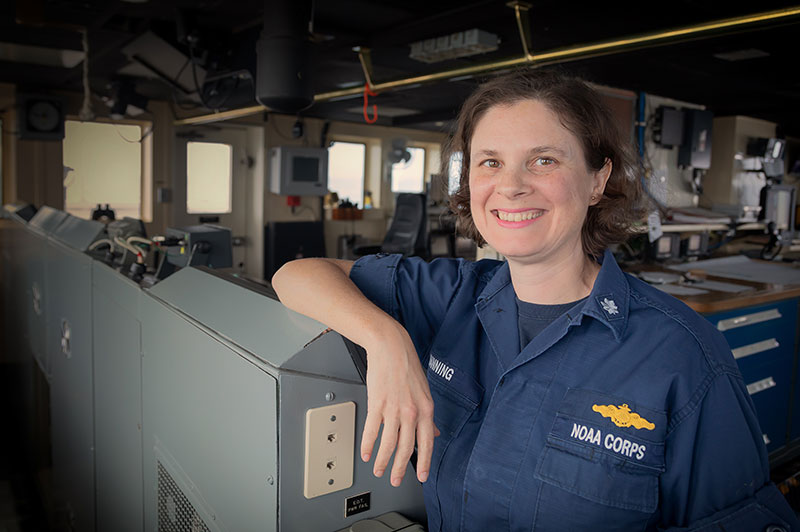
21,508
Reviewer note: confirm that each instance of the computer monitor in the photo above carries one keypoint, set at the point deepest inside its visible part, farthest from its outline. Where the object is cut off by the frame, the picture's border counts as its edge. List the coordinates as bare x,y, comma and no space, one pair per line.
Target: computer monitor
299,171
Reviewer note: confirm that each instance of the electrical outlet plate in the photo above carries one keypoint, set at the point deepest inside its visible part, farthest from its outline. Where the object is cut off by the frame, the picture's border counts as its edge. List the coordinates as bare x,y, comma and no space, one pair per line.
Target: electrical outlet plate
329,449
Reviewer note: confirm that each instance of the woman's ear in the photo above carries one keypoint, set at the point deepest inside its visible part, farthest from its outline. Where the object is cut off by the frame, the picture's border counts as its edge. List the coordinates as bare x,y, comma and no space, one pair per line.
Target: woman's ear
599,180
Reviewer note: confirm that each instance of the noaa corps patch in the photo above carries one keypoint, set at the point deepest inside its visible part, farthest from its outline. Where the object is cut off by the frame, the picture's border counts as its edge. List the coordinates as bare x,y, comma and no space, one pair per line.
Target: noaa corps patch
610,425
622,416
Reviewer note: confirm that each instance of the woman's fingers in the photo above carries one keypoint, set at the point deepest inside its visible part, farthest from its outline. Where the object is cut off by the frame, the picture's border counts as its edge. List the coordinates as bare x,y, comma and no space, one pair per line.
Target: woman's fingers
426,431
371,428
405,446
388,443
400,400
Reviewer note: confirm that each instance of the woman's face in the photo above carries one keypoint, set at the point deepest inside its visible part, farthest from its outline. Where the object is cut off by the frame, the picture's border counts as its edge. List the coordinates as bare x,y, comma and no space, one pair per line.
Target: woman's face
529,184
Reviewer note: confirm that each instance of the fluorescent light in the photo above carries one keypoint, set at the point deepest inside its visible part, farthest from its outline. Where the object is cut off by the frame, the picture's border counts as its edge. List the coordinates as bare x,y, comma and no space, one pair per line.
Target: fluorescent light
740,55
39,55
460,44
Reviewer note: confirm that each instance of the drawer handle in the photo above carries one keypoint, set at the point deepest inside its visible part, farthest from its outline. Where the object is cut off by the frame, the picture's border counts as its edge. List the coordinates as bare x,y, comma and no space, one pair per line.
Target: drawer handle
748,319
752,349
759,386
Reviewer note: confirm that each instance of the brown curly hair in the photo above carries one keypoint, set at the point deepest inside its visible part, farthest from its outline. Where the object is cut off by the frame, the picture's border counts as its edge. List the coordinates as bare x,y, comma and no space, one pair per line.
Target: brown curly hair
581,111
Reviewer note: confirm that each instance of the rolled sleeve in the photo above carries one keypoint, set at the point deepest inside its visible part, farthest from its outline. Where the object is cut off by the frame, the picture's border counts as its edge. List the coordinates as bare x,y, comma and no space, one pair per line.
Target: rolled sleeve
414,292
374,275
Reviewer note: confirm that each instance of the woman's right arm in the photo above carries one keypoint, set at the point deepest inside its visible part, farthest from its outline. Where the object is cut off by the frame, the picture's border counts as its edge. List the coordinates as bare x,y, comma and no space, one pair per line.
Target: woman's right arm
397,388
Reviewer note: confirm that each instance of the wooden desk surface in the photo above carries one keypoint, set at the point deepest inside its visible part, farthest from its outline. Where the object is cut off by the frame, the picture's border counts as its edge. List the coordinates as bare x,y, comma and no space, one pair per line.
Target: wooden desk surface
715,301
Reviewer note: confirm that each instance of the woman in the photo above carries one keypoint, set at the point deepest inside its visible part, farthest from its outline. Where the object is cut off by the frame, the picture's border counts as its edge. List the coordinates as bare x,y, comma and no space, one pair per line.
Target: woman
566,395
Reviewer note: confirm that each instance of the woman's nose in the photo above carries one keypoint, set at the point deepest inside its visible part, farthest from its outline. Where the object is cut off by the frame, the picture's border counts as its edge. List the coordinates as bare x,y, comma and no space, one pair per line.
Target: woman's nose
513,183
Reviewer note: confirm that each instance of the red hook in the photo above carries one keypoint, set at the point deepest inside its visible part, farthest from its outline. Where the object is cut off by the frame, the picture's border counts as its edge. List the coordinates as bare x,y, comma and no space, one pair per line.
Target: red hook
367,94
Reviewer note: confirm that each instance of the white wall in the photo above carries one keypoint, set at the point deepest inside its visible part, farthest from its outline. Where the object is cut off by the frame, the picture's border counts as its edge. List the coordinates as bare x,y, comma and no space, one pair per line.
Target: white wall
668,184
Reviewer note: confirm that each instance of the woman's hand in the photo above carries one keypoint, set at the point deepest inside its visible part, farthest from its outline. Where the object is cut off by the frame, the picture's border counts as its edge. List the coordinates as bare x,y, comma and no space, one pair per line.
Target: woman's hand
397,390
399,398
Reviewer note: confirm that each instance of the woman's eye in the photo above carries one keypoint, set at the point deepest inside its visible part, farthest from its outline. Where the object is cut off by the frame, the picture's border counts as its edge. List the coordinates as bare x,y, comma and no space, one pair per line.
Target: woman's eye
544,161
491,163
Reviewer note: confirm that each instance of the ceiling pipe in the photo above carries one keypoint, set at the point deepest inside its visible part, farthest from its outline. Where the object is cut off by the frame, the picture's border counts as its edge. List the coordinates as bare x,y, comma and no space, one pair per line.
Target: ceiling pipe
560,55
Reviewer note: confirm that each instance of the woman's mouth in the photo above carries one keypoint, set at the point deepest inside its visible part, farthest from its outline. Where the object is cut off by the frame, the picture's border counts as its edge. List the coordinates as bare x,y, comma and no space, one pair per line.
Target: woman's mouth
519,216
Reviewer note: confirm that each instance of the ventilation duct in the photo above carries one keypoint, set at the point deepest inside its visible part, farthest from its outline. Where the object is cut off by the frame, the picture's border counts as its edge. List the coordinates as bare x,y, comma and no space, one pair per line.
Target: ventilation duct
283,66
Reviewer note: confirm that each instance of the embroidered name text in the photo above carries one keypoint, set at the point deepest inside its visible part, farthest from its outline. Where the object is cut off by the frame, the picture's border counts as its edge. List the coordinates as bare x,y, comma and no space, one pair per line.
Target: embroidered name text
611,442
440,368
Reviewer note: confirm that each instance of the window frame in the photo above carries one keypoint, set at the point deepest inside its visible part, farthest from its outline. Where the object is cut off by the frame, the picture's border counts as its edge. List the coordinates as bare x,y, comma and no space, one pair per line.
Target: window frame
146,142
230,179
364,171
424,182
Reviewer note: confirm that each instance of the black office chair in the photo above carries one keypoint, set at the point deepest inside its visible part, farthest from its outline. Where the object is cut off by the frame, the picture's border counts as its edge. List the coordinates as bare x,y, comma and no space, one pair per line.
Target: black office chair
408,232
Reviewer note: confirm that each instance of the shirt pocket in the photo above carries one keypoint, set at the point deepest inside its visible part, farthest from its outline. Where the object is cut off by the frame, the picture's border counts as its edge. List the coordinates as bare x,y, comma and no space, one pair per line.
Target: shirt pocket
456,396
597,471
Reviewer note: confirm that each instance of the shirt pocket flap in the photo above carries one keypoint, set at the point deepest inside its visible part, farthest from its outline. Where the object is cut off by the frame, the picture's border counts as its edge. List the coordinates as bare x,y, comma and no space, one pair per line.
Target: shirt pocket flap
616,426
598,477
607,449
455,394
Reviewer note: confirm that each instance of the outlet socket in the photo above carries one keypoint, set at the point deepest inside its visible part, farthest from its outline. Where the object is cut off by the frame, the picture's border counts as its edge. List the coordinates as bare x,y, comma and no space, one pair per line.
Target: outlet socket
329,449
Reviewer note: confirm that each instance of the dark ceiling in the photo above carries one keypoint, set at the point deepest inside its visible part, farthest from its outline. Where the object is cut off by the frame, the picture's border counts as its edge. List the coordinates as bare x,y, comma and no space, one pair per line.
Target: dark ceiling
767,86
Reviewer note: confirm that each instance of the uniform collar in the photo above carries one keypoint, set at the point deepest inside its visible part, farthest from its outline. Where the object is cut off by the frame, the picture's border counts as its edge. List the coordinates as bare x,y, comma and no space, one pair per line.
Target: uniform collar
610,298
608,301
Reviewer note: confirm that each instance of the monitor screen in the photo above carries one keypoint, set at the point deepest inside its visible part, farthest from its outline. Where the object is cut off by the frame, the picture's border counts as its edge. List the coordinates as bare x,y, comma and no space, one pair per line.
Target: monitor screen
305,169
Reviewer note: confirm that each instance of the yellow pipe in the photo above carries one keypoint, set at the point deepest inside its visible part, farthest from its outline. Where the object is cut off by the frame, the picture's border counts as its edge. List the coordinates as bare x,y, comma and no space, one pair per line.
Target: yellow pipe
519,9
220,117
669,35
554,56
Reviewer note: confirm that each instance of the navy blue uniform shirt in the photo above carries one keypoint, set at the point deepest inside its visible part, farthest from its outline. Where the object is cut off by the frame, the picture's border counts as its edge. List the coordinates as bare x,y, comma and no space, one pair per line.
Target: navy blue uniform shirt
626,413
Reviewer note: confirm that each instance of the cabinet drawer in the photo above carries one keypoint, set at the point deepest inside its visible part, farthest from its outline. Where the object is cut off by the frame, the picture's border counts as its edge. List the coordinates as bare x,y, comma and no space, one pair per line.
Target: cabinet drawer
744,320
770,386
759,334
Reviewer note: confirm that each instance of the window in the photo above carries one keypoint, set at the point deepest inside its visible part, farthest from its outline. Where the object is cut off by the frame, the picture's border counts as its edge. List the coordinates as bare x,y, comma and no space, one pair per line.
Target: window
454,172
409,176
346,164
107,163
209,170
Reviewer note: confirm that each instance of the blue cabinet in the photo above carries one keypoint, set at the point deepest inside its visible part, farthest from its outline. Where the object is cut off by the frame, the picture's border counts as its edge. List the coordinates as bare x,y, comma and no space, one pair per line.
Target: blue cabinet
762,339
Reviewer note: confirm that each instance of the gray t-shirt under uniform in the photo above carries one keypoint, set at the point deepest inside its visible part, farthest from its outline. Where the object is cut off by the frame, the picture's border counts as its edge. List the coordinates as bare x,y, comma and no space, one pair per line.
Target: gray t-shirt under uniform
534,318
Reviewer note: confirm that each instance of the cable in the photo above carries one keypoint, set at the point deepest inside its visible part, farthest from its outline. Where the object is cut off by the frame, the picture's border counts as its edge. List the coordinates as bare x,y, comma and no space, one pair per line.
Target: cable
86,113
139,239
191,255
302,208
103,241
129,247
194,77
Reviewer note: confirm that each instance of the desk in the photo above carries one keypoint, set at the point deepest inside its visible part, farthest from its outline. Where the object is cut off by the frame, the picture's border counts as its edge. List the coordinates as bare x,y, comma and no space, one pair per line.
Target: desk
760,325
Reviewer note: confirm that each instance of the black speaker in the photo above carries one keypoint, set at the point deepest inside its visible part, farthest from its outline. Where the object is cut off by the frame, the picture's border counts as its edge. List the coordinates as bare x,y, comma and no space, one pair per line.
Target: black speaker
286,241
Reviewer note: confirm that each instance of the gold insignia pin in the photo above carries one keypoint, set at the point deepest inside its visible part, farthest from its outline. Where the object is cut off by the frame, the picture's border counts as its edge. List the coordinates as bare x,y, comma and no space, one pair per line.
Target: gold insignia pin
623,417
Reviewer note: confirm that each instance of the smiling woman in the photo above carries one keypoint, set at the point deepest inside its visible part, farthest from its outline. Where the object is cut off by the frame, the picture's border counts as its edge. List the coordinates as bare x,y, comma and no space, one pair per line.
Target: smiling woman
564,394
577,112
530,187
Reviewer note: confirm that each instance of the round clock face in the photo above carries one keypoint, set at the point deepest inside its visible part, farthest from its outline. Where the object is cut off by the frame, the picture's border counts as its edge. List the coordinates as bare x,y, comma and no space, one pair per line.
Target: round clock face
43,116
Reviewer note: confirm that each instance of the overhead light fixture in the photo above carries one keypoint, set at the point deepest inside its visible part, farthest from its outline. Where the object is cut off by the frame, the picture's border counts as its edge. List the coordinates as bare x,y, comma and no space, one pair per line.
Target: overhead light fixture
461,44
741,55
39,55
